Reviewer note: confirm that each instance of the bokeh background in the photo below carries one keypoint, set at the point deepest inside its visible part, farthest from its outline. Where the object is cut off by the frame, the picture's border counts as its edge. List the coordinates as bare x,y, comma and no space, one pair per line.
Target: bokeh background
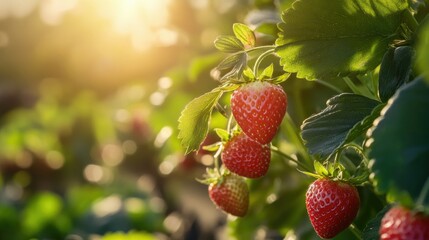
90,94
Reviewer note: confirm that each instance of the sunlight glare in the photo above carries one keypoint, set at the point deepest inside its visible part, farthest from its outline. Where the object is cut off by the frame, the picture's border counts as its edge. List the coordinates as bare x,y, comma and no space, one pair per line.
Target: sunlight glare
16,8
52,11
140,19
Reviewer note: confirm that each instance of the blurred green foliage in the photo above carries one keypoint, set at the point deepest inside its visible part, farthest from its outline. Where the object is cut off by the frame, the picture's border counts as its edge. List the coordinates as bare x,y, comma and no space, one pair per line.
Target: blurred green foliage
88,111
88,122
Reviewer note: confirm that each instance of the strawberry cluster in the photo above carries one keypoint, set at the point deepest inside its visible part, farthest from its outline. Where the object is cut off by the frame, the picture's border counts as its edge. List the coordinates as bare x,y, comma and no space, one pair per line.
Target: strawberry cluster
258,108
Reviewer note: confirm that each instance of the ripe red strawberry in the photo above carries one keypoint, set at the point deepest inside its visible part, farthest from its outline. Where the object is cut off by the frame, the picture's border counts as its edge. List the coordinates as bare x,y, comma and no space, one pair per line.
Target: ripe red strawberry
332,206
259,108
230,194
246,157
400,223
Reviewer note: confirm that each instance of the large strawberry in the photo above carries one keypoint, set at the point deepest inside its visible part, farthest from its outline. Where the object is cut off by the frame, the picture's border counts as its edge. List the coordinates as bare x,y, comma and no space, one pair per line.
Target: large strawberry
400,223
246,157
259,108
332,206
231,194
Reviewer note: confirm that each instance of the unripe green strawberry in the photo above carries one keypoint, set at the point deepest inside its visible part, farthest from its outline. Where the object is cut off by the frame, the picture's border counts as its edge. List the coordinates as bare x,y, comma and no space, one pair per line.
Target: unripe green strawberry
230,194
332,206
400,223
246,157
259,108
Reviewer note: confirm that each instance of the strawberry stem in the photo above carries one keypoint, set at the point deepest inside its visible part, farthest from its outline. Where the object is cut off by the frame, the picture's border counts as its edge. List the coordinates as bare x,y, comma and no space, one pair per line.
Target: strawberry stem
216,159
260,59
303,166
358,150
328,85
352,86
355,231
229,125
423,194
260,47
221,110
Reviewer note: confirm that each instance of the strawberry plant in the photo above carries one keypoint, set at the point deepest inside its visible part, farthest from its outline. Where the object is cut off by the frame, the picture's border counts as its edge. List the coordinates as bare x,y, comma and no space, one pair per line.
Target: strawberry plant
368,146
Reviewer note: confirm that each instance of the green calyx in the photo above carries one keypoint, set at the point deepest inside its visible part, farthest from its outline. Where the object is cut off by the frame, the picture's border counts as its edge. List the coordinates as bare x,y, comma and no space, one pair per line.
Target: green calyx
215,176
337,172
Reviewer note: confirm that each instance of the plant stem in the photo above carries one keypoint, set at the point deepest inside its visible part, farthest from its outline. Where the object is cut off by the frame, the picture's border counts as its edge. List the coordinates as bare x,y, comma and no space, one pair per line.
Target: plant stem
293,134
276,150
260,47
216,159
221,110
352,86
355,231
330,86
359,150
260,59
423,194
229,125
269,47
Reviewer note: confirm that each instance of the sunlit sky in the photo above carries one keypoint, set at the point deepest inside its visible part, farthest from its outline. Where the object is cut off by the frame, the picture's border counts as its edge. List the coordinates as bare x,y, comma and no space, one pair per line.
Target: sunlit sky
145,21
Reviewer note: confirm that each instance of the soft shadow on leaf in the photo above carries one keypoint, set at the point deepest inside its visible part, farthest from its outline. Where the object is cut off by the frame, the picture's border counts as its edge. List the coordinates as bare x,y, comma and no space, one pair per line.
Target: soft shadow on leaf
395,70
324,132
400,143
327,38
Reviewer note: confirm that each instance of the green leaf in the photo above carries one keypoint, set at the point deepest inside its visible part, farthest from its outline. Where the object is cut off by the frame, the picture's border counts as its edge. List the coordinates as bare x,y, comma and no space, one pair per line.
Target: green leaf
395,70
327,38
229,62
244,34
400,143
195,118
363,125
370,232
326,131
320,169
222,133
267,72
237,70
228,44
423,50
248,72
212,147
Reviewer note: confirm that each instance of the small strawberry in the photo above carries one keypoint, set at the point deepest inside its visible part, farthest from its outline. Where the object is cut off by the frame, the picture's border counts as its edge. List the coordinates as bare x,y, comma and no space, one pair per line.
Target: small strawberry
259,108
332,206
400,223
246,157
230,194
